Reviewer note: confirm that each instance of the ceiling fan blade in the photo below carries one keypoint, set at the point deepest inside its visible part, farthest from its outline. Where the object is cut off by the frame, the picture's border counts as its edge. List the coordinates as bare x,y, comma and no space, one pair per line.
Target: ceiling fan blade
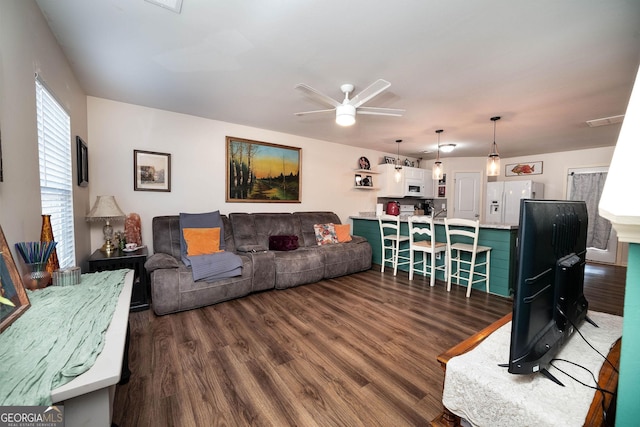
381,111
369,92
302,113
317,95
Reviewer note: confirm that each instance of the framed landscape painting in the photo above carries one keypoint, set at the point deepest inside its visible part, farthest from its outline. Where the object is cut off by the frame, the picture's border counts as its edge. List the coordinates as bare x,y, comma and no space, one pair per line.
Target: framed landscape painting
262,172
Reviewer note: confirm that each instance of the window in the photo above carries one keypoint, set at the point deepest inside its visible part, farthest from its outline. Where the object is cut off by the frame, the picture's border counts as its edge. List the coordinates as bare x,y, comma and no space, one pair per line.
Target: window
56,184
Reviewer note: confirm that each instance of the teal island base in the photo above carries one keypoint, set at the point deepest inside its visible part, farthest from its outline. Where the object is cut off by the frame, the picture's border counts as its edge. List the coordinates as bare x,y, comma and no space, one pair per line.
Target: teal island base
500,237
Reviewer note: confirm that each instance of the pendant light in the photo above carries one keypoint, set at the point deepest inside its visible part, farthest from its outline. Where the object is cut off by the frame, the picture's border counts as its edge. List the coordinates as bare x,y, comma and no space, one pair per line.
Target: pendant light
493,161
438,169
398,175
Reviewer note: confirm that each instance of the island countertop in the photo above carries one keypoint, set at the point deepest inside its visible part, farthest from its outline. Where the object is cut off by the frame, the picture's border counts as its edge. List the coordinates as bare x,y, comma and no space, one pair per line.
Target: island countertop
404,218
501,238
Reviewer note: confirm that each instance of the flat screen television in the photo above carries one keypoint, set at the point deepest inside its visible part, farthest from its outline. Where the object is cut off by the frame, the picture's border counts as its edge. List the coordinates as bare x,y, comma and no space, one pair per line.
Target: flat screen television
548,301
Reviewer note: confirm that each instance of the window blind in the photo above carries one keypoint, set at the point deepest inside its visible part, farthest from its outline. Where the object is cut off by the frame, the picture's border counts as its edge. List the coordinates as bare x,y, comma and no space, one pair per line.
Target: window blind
56,183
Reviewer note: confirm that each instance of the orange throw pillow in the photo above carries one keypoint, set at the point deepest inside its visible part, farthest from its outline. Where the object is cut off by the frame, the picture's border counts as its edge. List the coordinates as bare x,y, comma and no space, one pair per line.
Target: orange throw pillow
202,241
343,231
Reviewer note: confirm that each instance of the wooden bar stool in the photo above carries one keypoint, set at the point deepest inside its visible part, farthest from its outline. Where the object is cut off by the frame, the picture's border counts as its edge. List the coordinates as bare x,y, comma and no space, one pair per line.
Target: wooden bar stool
422,239
459,252
393,250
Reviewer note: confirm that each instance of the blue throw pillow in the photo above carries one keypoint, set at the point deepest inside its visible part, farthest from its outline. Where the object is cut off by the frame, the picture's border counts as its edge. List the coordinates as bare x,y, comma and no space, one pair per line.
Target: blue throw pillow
201,220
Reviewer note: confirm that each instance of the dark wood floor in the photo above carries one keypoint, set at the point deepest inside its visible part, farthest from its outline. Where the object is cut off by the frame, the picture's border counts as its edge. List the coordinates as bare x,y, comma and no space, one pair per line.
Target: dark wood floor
354,351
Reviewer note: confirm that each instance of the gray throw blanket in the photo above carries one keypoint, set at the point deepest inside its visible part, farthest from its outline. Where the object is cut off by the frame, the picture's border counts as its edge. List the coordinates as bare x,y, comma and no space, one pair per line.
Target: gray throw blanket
215,266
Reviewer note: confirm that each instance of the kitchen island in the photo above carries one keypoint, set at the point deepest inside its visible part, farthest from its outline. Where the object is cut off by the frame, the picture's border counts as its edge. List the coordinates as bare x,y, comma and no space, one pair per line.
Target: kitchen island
500,237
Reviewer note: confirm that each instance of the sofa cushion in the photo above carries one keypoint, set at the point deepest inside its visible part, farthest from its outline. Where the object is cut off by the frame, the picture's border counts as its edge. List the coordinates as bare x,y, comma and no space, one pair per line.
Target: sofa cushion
325,234
161,260
283,243
202,241
200,220
298,267
343,232
255,229
174,290
345,258
307,221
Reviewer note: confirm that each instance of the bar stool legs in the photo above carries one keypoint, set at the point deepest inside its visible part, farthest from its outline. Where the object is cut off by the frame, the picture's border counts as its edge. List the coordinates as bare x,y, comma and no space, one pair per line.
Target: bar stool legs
392,243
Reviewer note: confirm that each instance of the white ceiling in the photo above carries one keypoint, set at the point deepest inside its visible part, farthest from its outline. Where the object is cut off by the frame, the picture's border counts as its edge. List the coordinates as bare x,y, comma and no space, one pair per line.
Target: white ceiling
545,66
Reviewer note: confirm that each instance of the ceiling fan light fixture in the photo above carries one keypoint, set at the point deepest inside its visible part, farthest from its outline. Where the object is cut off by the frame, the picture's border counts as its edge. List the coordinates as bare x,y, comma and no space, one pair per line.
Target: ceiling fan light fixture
447,148
493,161
345,115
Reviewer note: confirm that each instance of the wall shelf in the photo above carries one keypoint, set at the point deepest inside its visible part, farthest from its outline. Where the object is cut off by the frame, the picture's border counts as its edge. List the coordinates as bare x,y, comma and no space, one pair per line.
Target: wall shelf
367,171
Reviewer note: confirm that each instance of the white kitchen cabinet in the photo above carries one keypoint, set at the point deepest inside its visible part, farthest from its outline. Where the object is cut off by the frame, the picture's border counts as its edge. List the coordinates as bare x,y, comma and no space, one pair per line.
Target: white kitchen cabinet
413,173
429,190
389,186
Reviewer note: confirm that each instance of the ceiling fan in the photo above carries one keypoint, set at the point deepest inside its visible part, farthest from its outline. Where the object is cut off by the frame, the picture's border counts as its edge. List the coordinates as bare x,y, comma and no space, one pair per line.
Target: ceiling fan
346,110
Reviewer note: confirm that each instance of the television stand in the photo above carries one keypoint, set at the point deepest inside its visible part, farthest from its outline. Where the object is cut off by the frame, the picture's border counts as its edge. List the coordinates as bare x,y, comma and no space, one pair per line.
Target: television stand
608,378
542,371
550,376
588,319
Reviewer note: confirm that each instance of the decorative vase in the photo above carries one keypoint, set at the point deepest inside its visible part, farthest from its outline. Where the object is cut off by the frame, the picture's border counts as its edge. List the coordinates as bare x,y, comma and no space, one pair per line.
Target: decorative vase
37,277
46,235
132,229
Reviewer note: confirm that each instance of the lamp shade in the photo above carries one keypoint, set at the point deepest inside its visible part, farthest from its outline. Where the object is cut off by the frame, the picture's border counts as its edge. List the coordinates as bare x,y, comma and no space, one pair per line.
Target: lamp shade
105,208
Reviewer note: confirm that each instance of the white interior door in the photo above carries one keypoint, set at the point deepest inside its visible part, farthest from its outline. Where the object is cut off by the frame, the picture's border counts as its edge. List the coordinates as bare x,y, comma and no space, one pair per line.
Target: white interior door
467,195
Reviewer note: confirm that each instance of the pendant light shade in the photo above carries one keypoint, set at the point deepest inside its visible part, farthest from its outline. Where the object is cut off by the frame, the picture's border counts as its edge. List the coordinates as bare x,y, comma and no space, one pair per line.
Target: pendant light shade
438,168
493,161
398,175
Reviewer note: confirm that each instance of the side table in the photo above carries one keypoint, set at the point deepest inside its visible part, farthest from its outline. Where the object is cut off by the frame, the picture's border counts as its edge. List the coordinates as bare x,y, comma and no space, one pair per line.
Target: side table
100,261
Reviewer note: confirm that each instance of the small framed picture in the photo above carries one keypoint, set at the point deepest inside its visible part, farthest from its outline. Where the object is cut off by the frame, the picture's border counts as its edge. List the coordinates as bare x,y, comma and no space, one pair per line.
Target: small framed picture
82,157
358,178
389,160
151,171
367,181
442,191
363,163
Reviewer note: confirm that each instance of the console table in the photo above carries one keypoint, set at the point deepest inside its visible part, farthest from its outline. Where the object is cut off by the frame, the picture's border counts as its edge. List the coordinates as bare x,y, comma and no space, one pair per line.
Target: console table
608,377
100,261
88,398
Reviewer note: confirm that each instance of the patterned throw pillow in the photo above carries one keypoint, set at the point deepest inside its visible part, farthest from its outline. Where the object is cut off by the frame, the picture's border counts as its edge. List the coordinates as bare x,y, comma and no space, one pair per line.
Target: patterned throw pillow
325,234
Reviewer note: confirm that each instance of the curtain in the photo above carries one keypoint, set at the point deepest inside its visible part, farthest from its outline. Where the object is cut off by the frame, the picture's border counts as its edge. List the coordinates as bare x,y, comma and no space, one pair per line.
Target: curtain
588,187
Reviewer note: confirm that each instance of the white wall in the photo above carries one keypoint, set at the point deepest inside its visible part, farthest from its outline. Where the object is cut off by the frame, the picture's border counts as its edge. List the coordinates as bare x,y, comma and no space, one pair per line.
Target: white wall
27,47
197,148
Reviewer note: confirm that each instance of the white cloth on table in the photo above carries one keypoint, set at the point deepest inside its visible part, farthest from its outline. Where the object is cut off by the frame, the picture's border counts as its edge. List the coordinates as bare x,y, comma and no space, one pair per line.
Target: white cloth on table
484,394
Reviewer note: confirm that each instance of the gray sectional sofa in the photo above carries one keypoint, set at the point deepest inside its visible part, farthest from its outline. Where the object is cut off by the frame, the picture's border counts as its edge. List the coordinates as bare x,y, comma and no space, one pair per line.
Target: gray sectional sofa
247,234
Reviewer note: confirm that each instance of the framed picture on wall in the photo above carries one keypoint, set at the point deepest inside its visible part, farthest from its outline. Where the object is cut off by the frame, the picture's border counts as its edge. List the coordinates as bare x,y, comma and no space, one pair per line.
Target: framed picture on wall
151,171
262,172
13,298
519,169
82,157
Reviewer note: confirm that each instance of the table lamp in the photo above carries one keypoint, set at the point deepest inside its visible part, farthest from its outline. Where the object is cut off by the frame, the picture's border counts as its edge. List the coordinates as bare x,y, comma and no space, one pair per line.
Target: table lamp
106,209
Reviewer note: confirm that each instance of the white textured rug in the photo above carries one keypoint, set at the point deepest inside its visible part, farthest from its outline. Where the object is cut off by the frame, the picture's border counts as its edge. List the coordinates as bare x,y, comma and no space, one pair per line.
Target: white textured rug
484,394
